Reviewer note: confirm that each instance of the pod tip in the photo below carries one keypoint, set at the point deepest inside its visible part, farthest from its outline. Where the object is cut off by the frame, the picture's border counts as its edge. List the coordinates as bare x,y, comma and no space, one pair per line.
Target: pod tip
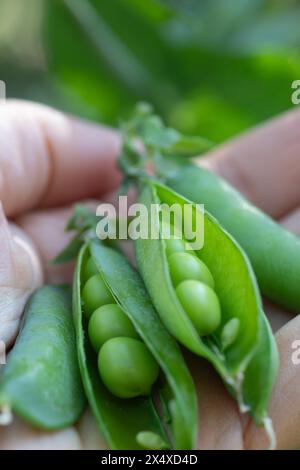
269,429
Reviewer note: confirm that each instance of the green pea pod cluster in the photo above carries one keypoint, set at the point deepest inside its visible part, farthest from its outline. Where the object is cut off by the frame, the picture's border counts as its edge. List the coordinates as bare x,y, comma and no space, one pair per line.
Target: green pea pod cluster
41,380
132,423
273,251
241,347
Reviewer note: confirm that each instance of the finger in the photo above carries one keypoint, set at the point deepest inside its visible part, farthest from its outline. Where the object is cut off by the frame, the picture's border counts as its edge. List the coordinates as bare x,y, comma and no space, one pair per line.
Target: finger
264,164
20,275
285,400
22,436
50,159
89,432
219,421
276,316
46,228
292,221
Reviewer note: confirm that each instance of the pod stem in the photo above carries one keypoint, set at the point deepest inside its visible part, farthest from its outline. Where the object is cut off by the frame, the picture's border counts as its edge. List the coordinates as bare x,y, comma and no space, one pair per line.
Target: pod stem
269,429
239,393
6,416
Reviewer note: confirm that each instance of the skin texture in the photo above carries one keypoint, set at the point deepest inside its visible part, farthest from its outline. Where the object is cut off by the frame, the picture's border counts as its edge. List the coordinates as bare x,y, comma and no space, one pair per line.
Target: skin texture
53,160
20,275
21,436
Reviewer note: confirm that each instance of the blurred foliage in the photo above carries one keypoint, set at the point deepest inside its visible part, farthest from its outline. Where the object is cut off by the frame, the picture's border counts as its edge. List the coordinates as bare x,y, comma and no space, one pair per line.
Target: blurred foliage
210,67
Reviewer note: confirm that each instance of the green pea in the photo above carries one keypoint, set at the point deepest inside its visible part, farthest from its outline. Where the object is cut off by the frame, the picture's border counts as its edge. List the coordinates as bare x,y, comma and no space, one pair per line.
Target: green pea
95,293
109,321
174,245
184,266
127,368
90,269
201,304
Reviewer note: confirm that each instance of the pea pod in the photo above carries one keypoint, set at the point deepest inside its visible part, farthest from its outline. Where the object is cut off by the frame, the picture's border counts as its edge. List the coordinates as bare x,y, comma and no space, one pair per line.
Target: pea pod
260,376
273,251
41,380
237,335
131,423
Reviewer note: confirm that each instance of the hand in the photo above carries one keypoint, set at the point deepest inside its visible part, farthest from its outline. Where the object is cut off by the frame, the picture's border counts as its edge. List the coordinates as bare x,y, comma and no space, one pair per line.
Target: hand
46,160
49,160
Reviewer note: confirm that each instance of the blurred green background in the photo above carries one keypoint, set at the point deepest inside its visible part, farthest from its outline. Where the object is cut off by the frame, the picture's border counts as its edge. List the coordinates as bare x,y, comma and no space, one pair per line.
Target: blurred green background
210,67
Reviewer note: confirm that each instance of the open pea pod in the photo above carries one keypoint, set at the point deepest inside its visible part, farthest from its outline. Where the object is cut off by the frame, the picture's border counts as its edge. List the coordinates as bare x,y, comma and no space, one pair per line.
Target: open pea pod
238,335
134,423
41,381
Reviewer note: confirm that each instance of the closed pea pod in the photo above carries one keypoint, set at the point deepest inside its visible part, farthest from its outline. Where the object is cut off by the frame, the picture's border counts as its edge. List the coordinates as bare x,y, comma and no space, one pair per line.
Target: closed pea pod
119,374
41,381
217,317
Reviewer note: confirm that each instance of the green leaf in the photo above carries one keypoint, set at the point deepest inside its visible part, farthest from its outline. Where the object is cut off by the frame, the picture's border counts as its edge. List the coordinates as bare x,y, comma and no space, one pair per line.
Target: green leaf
155,134
190,146
82,219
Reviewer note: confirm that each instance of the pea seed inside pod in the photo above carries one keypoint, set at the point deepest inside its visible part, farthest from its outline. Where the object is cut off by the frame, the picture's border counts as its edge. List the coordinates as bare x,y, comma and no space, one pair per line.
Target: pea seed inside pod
184,266
127,368
107,322
201,304
90,269
174,245
95,294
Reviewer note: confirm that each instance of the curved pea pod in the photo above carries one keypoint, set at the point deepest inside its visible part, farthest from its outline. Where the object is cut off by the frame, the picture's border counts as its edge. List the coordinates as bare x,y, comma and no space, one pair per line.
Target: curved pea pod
41,381
235,286
260,376
273,251
134,423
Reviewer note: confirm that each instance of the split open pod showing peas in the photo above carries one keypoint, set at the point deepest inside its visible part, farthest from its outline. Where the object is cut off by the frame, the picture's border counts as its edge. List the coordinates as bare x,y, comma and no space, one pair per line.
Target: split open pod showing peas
208,298
126,357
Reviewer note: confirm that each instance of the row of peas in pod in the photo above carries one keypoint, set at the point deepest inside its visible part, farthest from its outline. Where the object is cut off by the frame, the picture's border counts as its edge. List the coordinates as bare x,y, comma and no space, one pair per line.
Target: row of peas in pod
195,288
125,364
